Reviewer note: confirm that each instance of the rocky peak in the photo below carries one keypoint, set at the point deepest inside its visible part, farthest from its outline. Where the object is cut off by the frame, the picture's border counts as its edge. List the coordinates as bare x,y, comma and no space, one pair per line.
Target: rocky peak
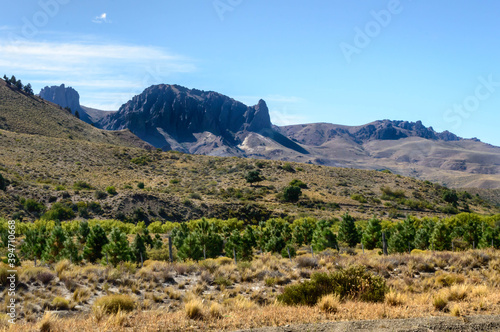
164,112
62,96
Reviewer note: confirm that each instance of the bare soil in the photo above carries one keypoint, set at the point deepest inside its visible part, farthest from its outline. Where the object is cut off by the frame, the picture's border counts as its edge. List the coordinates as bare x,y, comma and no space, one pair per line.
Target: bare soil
434,324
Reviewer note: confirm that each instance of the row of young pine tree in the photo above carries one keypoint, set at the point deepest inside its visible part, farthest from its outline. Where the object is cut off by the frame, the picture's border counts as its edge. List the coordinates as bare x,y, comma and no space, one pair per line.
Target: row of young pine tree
18,84
210,238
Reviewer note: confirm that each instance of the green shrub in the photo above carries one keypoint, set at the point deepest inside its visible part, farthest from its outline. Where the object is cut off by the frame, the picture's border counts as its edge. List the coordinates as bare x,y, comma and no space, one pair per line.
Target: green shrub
33,206
195,196
111,190
288,167
140,185
298,183
141,161
354,283
359,198
59,211
3,183
291,194
222,281
60,303
81,185
111,304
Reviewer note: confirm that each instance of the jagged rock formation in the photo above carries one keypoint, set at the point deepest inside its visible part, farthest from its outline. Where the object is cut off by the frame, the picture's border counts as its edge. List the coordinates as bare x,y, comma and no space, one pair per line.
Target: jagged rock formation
194,121
69,97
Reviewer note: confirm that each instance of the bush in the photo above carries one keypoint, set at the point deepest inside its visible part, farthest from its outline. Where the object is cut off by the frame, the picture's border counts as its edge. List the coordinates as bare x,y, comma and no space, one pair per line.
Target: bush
111,190
45,277
100,194
291,194
306,261
298,183
359,198
59,211
60,303
81,185
140,185
3,183
288,167
111,304
33,206
354,283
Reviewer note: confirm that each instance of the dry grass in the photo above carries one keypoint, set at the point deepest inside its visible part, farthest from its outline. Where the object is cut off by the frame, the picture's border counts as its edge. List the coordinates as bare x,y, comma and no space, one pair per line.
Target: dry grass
329,304
194,309
115,303
250,302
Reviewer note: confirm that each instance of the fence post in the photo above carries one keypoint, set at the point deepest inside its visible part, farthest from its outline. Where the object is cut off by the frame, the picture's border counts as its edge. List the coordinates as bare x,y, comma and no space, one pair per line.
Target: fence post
204,251
35,256
473,244
170,248
409,247
384,244
234,255
363,248
312,251
289,256
452,246
142,263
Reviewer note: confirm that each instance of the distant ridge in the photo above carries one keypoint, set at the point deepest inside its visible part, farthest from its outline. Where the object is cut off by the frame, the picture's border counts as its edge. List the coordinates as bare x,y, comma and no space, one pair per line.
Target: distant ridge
172,117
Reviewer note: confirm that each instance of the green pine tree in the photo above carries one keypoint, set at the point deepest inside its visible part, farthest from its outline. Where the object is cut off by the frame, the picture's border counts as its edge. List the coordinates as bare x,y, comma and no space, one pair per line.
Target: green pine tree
191,248
139,248
118,248
55,245
323,236
96,240
372,236
440,237
34,244
70,251
83,232
348,233
402,237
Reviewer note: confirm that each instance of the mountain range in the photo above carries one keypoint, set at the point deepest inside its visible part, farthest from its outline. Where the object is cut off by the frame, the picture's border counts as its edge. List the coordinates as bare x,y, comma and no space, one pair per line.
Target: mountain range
172,117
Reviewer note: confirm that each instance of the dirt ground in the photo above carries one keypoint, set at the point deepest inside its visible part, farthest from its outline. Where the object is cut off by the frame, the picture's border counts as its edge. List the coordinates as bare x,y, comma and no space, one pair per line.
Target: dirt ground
430,324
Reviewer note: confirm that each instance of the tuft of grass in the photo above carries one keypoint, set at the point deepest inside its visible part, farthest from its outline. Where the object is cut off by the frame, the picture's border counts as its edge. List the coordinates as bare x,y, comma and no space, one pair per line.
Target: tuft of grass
455,311
60,303
440,303
395,298
216,310
48,323
194,309
111,304
329,303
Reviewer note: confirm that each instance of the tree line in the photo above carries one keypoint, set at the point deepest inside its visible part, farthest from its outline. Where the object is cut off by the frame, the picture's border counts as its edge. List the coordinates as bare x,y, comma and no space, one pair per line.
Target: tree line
18,84
115,241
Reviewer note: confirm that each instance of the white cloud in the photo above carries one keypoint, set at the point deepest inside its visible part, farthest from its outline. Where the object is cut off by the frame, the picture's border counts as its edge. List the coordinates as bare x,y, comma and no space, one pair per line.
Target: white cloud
103,18
93,68
285,118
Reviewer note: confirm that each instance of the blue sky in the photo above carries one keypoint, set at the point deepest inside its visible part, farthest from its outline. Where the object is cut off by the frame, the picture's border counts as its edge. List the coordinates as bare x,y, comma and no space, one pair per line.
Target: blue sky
346,62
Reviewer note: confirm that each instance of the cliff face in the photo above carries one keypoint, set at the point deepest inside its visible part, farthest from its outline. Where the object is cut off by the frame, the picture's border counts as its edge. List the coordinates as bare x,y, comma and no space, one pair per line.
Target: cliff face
69,97
171,116
62,96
